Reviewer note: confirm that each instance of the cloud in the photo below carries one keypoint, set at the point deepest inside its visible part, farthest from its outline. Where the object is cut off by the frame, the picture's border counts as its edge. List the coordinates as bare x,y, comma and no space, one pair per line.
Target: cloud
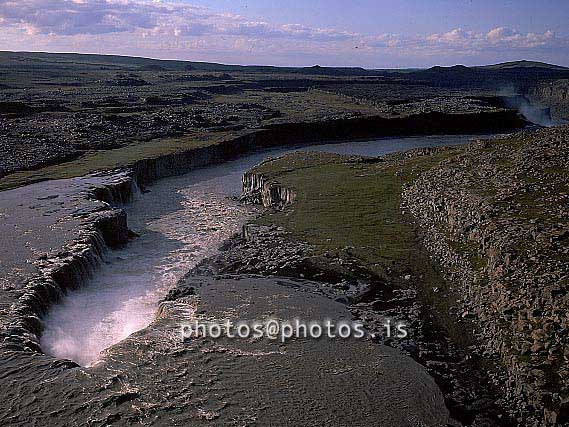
175,29
260,29
499,37
72,17
383,41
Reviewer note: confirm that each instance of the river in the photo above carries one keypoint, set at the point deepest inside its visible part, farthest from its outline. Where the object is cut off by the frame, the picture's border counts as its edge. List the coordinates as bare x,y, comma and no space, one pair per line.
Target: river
179,221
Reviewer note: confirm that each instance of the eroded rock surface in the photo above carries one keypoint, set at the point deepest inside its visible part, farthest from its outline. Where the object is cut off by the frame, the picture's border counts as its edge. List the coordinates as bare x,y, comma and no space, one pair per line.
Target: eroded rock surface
496,218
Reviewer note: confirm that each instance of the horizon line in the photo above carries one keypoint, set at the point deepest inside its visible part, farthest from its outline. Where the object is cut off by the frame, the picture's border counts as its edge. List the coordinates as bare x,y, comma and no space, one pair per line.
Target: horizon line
274,66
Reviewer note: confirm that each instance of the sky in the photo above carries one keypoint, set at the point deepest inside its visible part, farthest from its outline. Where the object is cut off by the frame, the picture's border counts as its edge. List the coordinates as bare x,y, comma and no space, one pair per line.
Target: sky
367,33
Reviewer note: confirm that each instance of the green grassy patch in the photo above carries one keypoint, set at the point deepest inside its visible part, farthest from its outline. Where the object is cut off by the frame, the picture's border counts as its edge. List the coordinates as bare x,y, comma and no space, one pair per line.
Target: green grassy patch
345,203
351,203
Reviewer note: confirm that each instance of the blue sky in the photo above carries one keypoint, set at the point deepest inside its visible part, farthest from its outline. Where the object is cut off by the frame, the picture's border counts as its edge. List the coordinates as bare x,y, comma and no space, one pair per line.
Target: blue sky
373,34
405,16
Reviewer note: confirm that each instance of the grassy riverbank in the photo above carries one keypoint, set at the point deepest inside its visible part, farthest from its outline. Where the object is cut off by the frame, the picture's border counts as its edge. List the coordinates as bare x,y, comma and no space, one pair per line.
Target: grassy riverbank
352,206
480,231
348,202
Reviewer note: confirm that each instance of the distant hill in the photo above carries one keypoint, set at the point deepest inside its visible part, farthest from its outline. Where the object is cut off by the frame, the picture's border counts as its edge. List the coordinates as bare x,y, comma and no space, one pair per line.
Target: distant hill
36,60
522,74
519,74
522,64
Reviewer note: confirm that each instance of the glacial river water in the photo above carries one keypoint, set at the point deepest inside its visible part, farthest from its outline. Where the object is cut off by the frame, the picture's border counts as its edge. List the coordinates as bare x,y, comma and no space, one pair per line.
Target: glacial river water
180,221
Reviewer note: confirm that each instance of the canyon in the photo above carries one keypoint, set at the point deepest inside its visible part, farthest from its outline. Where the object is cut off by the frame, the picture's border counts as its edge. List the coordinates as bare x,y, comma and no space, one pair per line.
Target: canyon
137,198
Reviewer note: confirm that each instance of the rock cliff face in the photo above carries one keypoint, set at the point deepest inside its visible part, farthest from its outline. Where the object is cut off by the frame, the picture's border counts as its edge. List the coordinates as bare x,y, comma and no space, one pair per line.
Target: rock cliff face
495,218
148,170
86,223
556,91
257,189
554,95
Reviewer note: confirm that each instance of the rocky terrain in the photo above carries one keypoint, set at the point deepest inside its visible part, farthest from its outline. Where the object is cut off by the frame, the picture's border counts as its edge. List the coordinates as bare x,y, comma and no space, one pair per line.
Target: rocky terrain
467,247
356,249
492,218
57,108
154,377
496,218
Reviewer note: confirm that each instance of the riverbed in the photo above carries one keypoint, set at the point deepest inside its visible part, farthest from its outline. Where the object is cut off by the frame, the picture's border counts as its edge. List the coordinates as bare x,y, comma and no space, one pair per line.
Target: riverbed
179,221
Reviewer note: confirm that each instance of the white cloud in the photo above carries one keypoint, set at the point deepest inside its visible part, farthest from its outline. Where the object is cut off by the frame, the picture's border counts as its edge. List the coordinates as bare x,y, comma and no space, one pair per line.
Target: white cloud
71,17
169,28
499,37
